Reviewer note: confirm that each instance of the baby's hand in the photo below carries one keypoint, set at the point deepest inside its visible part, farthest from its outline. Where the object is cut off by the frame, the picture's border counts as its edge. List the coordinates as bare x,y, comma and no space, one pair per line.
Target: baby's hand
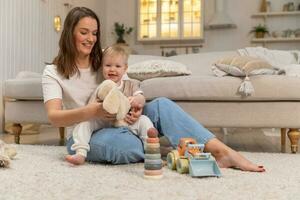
133,102
134,114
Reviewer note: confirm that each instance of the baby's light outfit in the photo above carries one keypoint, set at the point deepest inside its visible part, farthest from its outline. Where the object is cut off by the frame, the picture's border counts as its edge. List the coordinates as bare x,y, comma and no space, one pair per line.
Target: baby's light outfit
83,131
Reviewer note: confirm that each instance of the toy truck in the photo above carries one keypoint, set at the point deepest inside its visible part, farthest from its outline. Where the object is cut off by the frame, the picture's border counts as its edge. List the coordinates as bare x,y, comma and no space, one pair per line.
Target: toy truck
190,158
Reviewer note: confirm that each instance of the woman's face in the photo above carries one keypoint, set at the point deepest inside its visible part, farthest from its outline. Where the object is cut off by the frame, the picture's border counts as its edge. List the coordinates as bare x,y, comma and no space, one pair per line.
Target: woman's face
85,36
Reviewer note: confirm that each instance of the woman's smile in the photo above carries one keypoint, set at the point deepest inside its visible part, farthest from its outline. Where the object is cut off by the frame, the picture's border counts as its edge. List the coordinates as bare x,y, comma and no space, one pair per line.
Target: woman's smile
88,45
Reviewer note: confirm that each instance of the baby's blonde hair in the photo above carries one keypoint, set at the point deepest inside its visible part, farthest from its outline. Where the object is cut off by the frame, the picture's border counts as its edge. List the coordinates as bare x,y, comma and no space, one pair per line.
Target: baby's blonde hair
115,50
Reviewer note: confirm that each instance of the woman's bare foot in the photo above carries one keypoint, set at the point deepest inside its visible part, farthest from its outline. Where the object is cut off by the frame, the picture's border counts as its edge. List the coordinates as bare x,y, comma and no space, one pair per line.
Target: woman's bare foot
75,159
235,160
227,157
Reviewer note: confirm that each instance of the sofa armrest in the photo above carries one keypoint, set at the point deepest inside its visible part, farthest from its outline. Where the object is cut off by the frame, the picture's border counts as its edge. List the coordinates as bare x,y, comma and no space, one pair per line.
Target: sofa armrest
24,89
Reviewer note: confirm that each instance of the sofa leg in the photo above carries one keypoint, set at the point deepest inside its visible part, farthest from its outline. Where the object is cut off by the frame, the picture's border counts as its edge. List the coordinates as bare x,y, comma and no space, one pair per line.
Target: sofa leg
225,135
17,129
283,140
294,136
62,135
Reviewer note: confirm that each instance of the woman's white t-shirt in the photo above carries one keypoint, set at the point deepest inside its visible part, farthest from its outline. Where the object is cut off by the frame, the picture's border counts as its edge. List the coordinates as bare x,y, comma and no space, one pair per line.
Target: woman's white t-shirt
74,92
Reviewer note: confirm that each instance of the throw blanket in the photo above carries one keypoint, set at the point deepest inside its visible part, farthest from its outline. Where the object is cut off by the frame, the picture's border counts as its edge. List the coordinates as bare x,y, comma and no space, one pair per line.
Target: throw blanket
287,62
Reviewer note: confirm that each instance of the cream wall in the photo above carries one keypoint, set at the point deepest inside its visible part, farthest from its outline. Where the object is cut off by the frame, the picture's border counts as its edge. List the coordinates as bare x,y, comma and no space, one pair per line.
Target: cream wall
27,37
215,40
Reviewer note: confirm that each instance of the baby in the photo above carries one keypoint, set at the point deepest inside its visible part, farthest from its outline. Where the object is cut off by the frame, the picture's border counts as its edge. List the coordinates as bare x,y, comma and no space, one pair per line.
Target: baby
114,66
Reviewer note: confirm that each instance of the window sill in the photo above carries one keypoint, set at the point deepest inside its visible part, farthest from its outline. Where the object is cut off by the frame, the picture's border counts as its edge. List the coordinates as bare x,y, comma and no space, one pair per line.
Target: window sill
172,41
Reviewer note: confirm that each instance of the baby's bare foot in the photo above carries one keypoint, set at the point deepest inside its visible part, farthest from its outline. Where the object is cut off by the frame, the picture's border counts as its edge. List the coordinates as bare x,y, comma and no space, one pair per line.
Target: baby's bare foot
75,159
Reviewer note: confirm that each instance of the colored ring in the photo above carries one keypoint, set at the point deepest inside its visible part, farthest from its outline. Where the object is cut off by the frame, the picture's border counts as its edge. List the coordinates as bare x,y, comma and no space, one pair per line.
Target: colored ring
152,151
153,177
153,172
152,166
152,156
158,161
153,140
153,145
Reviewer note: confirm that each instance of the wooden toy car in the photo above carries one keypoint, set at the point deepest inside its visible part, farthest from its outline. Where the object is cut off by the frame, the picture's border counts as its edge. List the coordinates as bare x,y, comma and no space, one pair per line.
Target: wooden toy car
190,158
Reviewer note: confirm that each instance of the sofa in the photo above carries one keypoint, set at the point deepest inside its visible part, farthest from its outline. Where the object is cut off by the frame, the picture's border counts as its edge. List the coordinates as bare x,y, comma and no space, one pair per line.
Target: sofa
211,100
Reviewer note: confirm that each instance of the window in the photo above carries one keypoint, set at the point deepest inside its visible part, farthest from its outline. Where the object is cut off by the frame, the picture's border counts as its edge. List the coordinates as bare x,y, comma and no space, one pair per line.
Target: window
170,20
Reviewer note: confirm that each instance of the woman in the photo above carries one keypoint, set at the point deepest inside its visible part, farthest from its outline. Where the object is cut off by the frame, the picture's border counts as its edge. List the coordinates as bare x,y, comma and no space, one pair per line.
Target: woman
74,75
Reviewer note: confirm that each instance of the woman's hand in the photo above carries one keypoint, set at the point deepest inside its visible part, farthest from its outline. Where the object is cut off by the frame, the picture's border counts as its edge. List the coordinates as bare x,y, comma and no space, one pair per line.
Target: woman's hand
134,114
100,113
62,118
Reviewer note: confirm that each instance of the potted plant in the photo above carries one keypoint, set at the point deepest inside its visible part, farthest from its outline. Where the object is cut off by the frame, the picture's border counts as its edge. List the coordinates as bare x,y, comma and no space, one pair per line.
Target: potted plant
121,30
260,31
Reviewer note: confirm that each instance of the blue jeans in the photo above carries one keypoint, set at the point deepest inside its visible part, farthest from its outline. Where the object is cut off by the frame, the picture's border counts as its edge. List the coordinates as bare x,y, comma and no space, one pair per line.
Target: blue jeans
120,146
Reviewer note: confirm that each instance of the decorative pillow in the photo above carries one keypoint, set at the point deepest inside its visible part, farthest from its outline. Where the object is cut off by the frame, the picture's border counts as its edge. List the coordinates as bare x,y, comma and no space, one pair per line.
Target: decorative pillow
243,66
156,68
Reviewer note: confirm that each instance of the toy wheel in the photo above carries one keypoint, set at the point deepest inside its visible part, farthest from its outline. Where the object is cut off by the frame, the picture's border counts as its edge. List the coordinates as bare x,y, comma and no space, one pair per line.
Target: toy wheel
182,166
171,159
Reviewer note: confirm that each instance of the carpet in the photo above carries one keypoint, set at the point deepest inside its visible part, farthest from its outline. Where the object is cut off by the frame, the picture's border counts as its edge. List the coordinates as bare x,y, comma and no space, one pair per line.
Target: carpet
39,172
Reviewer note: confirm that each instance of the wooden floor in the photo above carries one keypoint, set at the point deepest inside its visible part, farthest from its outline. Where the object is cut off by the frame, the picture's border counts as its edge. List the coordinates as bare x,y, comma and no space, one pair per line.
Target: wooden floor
250,140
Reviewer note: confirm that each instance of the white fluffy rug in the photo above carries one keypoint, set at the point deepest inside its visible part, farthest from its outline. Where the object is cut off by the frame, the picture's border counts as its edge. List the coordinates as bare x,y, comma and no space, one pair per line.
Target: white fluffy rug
39,172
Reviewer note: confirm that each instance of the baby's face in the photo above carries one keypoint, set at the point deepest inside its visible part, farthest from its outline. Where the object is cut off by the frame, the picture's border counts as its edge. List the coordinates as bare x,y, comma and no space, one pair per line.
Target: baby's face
114,67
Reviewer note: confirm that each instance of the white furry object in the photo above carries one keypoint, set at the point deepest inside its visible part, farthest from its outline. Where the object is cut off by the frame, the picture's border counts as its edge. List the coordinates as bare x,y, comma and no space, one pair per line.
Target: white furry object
114,101
104,88
7,153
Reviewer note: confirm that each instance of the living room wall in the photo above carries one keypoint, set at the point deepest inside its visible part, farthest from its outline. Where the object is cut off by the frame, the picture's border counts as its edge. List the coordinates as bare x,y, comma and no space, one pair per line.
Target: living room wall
215,40
28,39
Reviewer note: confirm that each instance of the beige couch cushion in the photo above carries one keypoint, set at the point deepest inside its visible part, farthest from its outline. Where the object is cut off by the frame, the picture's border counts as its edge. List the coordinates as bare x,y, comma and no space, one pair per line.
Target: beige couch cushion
206,87
212,88
267,88
200,64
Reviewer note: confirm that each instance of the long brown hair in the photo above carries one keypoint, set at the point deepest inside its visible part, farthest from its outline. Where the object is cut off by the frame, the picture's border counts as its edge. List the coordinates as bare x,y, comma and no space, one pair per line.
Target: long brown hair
65,60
